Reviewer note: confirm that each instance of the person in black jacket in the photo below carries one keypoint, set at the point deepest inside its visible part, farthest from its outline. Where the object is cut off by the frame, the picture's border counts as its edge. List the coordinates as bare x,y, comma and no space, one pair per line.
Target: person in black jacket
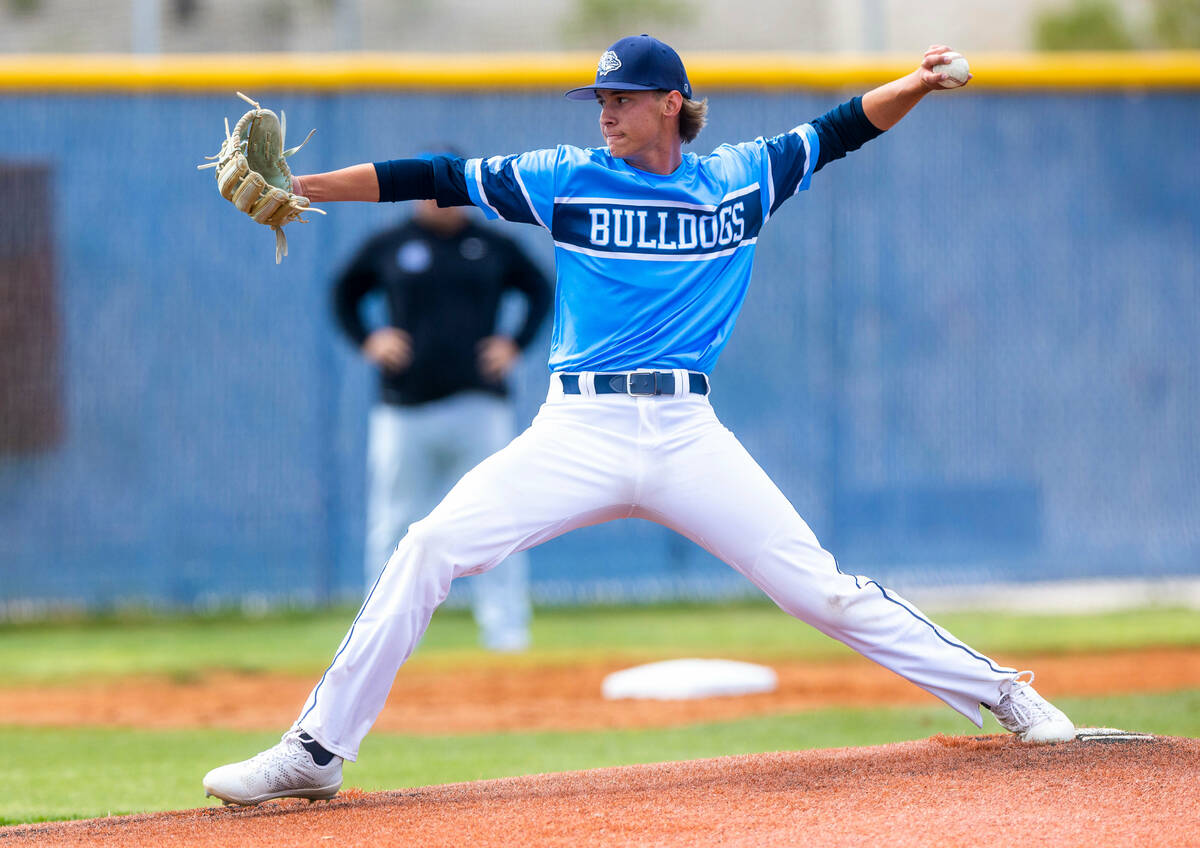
443,401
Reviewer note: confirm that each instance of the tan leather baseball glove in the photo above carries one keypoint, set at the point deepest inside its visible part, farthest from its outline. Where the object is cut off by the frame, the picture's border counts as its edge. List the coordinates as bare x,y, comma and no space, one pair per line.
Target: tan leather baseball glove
253,175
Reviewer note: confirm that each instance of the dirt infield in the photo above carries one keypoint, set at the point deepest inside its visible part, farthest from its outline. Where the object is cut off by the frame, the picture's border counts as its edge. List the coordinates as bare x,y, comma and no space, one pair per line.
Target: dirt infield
498,698
947,791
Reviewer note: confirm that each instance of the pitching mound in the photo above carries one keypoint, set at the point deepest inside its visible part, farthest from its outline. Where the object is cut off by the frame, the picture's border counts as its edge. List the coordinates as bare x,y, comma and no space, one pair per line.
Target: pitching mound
1104,790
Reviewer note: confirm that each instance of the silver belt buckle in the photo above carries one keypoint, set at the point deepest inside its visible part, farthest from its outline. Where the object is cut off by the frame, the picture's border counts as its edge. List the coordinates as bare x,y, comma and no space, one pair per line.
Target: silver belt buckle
642,383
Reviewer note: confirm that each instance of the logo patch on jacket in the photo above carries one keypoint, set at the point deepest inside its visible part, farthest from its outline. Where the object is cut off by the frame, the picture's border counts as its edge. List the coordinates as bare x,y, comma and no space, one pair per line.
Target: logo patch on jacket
414,257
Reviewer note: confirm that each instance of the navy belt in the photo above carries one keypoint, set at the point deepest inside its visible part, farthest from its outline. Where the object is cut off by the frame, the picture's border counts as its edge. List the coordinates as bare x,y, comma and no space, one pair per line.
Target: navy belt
637,383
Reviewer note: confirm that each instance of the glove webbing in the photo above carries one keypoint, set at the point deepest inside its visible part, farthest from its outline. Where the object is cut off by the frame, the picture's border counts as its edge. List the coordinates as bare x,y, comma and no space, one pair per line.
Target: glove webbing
250,191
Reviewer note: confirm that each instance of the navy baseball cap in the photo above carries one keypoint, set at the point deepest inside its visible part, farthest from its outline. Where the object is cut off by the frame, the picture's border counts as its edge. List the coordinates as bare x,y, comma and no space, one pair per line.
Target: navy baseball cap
637,63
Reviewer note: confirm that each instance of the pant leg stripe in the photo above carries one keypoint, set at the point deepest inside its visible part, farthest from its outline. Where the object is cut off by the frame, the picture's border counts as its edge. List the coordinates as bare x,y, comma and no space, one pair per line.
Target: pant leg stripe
345,644
937,631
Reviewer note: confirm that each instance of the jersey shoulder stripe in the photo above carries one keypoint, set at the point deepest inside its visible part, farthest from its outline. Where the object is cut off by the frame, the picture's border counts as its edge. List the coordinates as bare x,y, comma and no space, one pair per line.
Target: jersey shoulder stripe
511,187
792,159
516,169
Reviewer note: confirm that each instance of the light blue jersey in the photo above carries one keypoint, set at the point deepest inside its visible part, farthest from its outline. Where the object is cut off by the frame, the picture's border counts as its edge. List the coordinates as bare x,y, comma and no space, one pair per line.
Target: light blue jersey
652,270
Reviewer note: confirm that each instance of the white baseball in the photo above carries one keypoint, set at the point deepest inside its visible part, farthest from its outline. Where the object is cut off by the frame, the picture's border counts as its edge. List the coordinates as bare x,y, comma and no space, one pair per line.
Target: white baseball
956,71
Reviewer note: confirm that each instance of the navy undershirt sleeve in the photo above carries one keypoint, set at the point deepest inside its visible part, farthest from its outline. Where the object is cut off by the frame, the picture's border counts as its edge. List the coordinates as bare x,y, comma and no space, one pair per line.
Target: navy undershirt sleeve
842,129
404,179
440,177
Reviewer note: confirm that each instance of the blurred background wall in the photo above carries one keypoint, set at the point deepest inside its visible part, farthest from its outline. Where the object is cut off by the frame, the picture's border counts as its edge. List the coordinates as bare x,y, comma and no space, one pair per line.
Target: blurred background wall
968,354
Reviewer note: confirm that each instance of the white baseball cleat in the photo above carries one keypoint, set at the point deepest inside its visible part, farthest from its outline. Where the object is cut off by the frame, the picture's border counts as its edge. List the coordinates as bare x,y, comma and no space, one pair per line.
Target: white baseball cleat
1026,713
286,770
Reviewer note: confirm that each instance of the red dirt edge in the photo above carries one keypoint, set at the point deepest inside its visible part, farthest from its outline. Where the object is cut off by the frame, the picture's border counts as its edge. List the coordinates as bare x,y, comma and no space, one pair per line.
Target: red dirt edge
944,791
496,697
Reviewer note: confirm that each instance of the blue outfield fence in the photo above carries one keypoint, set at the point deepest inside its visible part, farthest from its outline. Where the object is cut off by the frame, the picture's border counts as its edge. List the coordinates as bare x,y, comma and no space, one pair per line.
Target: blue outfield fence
969,352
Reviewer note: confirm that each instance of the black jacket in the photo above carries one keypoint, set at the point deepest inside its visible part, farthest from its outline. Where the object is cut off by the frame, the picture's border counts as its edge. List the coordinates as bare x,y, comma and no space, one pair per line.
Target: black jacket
444,291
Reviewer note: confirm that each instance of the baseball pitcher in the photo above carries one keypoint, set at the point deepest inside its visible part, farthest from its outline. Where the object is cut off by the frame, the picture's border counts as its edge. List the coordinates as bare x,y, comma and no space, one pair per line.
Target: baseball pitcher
654,248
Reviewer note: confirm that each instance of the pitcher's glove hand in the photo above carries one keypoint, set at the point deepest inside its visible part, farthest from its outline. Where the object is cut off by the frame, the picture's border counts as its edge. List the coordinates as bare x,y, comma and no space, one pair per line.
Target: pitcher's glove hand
253,175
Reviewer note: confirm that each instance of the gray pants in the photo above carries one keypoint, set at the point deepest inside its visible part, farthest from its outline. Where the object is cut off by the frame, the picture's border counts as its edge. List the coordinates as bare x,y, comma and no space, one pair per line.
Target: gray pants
415,454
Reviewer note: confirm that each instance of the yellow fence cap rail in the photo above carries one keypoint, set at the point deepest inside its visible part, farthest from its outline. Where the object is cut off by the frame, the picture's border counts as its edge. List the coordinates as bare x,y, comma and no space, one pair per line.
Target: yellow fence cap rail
710,72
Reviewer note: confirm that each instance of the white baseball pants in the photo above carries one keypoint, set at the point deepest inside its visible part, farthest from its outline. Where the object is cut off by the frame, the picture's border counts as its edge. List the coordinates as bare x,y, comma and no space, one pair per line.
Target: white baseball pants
587,459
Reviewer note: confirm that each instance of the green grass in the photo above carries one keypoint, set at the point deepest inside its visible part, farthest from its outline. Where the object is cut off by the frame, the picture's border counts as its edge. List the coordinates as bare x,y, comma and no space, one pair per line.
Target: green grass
91,772
88,772
303,642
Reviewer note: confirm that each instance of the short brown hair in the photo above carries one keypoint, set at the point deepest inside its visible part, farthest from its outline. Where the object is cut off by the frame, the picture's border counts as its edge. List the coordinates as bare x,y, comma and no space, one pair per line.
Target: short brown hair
692,118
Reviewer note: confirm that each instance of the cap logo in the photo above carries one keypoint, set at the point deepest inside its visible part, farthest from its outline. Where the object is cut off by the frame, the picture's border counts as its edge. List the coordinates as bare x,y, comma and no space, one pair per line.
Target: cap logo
608,62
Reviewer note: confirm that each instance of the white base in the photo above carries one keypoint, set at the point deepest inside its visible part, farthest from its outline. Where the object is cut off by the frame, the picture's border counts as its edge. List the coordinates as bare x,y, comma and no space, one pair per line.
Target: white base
1110,734
674,680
